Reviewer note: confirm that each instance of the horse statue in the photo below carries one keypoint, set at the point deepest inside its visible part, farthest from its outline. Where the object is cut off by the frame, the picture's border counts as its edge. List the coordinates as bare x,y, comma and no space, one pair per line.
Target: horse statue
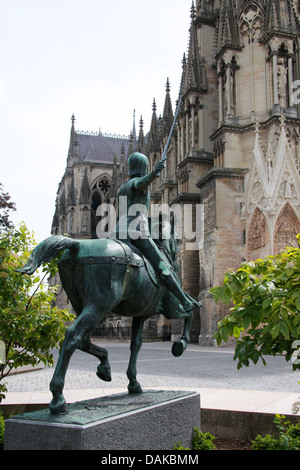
103,277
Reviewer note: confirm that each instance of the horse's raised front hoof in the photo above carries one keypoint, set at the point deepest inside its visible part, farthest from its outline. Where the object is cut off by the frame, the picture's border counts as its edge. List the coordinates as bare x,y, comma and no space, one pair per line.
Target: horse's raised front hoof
58,407
104,373
179,347
135,388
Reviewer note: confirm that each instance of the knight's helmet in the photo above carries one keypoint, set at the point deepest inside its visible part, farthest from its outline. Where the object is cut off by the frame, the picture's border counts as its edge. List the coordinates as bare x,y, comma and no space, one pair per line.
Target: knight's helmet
137,164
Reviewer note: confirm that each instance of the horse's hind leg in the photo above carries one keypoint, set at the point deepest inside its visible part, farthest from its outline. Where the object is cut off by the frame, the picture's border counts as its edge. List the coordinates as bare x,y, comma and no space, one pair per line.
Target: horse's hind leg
103,370
82,326
135,346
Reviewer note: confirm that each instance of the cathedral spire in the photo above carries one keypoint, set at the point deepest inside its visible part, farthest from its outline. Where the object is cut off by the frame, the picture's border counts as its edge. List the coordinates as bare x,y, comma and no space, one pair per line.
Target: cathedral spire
227,28
280,15
85,193
134,127
71,199
168,116
194,73
73,146
153,137
193,11
141,139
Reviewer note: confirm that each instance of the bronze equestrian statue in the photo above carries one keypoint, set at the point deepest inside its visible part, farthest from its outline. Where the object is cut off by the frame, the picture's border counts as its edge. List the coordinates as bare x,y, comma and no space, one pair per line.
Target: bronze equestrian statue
132,276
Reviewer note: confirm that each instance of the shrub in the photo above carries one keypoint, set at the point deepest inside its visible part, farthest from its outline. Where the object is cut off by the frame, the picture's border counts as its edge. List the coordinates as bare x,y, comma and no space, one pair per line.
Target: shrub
200,441
265,443
289,438
180,447
2,426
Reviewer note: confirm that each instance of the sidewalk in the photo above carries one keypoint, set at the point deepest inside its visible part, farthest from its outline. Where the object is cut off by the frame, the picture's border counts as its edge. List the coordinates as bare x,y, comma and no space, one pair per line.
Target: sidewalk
208,371
211,398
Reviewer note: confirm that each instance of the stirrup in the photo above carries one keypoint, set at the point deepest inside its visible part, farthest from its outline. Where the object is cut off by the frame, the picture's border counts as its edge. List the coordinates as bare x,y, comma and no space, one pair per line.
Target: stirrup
195,302
188,308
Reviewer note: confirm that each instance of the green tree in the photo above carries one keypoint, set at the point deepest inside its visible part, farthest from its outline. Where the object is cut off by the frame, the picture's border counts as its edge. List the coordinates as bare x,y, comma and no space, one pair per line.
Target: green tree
264,317
30,324
6,205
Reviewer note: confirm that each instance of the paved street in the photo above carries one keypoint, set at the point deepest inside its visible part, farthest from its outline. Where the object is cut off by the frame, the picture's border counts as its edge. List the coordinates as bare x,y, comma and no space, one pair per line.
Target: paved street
211,372
199,367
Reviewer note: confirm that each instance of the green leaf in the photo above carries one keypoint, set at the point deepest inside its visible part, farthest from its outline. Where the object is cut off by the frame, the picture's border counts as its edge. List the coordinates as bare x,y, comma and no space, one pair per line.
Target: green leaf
275,331
246,322
297,302
266,303
236,332
284,329
224,334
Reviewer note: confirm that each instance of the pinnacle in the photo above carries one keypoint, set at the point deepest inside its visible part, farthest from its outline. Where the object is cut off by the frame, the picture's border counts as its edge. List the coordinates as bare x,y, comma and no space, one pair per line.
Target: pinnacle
193,11
168,88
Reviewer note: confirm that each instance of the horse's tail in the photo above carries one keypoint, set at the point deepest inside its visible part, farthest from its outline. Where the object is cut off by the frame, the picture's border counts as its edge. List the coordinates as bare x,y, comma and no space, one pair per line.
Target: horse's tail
46,251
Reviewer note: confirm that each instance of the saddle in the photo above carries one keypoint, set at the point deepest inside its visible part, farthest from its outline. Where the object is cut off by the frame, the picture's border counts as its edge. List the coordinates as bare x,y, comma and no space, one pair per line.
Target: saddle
136,258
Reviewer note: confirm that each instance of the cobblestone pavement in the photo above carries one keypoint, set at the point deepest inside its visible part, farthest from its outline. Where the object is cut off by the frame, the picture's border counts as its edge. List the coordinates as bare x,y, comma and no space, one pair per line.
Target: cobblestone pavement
199,367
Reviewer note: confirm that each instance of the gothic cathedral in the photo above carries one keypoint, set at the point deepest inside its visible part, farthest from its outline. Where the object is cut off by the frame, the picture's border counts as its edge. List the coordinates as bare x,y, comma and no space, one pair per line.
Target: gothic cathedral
234,150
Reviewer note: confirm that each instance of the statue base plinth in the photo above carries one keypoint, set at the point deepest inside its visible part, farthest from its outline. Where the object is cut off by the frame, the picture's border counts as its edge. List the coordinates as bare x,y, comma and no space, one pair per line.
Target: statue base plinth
154,420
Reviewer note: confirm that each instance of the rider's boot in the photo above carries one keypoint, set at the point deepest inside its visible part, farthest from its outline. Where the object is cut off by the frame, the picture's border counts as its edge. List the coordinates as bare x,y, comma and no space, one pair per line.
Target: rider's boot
171,282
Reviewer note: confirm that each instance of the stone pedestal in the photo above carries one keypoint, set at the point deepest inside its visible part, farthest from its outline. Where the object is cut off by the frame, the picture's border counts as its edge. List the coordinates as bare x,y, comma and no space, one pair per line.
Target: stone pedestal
154,420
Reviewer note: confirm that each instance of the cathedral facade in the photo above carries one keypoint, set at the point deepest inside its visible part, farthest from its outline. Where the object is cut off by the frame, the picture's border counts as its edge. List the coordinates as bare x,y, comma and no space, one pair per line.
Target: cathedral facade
234,152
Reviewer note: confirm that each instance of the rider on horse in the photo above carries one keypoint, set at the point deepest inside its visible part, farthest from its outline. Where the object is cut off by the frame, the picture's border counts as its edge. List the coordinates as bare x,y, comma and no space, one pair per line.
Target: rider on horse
137,193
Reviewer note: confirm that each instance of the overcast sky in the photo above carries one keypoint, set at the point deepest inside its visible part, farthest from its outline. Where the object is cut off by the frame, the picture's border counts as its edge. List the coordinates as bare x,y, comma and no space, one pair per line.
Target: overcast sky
97,59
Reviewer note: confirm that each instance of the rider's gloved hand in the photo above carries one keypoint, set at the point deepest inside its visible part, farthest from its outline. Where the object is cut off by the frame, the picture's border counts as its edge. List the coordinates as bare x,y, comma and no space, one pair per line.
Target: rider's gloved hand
159,167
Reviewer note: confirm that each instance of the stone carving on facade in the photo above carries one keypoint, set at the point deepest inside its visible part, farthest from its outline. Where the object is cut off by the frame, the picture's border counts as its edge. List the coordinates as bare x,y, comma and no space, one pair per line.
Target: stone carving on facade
256,237
287,227
273,181
294,142
282,56
183,176
85,226
71,221
270,162
251,22
227,70
243,211
282,82
219,148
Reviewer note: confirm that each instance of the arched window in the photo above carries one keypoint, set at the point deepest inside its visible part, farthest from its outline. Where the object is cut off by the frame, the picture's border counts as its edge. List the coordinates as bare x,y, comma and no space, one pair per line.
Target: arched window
102,185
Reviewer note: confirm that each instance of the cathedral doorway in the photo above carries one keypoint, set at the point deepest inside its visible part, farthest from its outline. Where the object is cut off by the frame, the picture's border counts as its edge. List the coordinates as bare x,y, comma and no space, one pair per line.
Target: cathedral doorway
286,229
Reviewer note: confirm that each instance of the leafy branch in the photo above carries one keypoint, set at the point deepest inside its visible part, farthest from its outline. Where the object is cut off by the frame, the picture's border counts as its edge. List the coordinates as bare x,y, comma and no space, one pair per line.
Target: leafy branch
30,323
264,314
